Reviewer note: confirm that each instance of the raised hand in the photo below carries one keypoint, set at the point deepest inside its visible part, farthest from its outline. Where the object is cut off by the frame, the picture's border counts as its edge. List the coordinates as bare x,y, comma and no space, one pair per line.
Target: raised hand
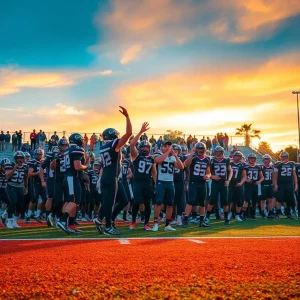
145,127
123,111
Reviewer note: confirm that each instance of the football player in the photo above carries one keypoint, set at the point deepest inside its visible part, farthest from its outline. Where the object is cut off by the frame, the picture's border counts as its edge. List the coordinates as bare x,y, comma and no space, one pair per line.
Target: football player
221,174
198,165
179,177
49,182
110,186
254,179
267,187
236,186
95,198
75,163
144,169
38,191
285,184
58,166
165,189
17,185
3,194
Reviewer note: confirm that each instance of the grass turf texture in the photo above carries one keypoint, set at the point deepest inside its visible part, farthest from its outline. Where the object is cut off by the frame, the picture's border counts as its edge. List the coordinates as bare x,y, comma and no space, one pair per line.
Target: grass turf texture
151,269
249,228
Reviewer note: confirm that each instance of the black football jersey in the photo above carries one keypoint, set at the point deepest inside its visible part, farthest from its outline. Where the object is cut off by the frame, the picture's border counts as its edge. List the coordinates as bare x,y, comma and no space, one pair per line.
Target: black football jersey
252,172
285,171
237,172
297,168
72,154
125,166
35,165
17,179
3,181
267,173
93,176
46,165
110,160
198,168
218,167
179,174
142,167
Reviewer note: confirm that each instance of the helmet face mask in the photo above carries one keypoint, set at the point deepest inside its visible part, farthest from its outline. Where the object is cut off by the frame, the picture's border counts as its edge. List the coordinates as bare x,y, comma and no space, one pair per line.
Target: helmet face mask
62,145
237,158
19,158
144,147
183,150
176,148
252,160
200,149
38,154
219,152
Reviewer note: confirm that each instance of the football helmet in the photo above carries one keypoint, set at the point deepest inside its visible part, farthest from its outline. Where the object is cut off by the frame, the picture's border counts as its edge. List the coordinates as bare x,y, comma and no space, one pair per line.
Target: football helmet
19,157
284,154
4,161
143,145
266,156
38,154
76,138
61,144
110,134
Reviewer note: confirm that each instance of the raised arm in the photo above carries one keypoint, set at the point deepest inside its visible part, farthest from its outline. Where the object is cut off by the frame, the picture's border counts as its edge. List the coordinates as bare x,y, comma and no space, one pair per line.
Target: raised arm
127,135
134,141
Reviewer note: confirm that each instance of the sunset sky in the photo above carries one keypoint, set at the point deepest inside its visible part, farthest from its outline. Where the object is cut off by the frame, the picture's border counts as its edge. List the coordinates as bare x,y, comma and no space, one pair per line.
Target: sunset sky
199,66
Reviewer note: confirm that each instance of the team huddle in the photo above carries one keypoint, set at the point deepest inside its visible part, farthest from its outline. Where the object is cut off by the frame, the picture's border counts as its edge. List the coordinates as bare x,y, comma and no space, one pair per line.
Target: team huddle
71,184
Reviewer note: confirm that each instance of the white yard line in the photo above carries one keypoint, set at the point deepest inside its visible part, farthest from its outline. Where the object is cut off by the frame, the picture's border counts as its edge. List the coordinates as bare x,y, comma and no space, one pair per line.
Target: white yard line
197,241
124,241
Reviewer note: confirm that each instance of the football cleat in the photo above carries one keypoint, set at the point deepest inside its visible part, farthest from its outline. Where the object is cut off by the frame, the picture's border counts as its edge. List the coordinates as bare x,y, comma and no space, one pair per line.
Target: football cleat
27,219
185,223
170,228
237,218
4,219
38,219
9,224
147,227
203,224
50,220
98,224
131,226
74,229
227,222
155,227
63,226
15,224
111,231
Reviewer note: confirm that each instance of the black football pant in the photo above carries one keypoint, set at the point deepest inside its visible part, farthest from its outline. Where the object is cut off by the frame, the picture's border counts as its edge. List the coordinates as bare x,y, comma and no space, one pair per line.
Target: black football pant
142,194
112,192
16,199
179,196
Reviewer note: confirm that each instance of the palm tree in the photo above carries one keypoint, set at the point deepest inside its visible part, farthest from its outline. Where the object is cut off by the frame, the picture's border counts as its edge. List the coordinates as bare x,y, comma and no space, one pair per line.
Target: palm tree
248,133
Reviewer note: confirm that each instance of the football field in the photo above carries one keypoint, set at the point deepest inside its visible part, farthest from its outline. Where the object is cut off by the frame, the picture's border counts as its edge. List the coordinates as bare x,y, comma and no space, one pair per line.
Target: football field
251,260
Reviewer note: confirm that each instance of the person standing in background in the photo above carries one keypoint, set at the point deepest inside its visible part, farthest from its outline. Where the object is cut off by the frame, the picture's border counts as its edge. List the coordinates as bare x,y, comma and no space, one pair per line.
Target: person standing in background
7,140
42,139
86,141
226,141
19,135
33,137
2,140
14,140
93,141
55,137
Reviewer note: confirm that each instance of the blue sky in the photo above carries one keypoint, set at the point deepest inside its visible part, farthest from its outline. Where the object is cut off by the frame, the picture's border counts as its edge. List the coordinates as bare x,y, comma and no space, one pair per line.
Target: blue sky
197,66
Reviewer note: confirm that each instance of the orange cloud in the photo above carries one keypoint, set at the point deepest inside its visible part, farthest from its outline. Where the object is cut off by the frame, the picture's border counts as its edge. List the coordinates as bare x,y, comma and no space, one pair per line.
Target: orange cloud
12,79
151,23
130,54
209,101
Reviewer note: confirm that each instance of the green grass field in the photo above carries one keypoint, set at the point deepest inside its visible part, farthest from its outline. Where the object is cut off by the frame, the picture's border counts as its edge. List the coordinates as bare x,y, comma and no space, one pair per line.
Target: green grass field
248,228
